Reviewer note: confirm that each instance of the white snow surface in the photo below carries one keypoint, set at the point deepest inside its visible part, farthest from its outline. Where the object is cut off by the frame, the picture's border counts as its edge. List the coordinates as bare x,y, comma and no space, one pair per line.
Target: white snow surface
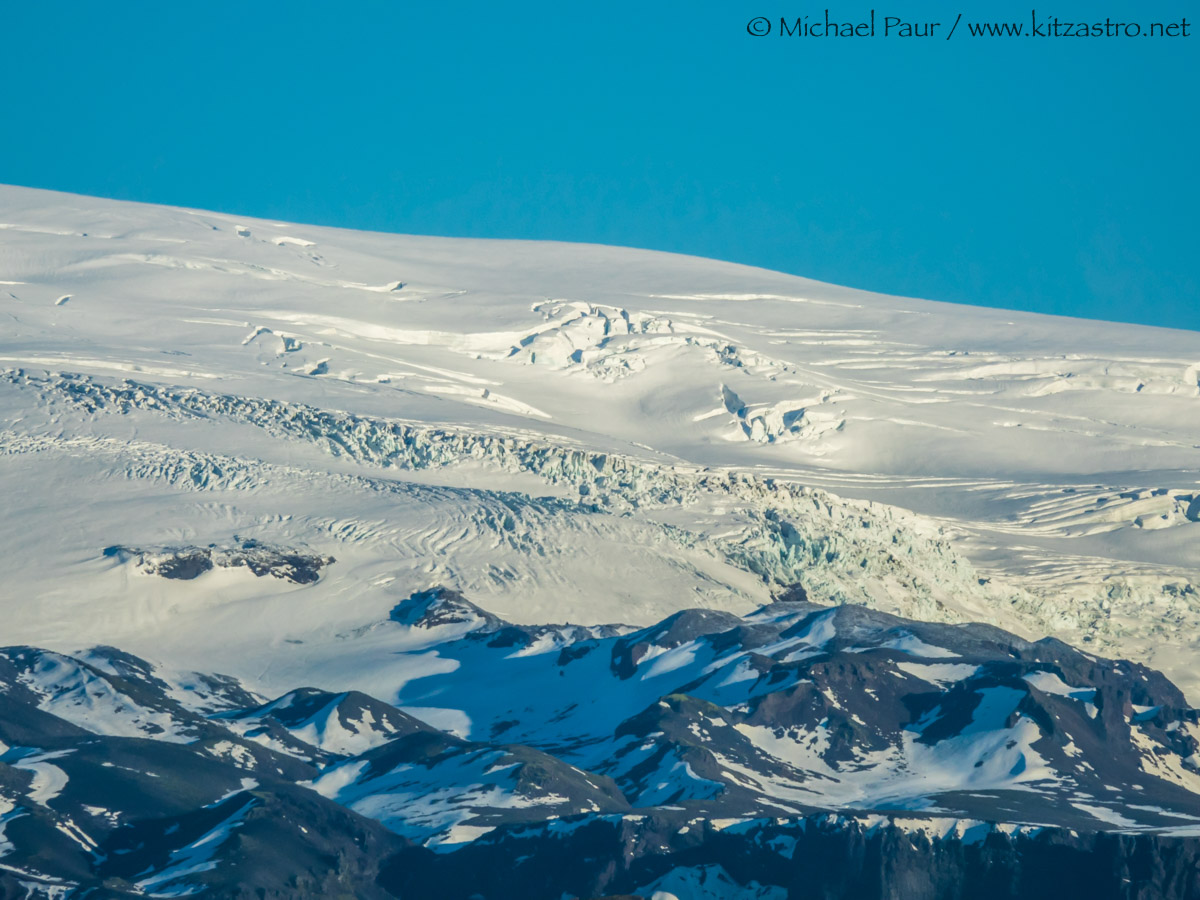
562,432
48,779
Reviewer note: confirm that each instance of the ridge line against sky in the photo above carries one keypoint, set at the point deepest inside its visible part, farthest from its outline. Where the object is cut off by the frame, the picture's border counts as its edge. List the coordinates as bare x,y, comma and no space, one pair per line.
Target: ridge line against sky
850,290
1041,174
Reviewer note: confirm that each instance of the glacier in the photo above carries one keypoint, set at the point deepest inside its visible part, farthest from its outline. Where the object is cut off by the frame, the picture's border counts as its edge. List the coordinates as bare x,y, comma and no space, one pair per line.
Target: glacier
232,449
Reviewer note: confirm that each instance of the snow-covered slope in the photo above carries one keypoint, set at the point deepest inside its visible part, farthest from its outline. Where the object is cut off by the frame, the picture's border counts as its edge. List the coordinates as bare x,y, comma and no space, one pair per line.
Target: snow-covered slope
567,433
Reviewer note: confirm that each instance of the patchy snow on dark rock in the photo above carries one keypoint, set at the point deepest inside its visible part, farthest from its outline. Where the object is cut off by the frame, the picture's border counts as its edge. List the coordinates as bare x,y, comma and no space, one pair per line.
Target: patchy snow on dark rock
188,562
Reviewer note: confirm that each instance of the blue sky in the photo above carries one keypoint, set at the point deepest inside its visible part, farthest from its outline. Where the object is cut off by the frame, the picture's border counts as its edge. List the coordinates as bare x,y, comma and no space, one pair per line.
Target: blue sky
1056,175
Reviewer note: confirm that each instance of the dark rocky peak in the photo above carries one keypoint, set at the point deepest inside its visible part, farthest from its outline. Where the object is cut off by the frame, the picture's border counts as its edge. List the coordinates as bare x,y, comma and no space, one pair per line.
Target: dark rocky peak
214,693
296,566
495,782
442,606
686,625
42,677
187,561
673,631
673,716
312,705
669,756
277,842
865,687
179,562
426,747
574,640
793,593
122,664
